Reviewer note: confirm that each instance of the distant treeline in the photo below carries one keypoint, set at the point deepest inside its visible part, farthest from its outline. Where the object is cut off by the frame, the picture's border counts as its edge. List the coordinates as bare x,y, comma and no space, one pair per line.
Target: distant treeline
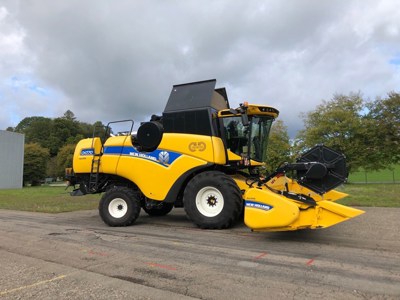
49,144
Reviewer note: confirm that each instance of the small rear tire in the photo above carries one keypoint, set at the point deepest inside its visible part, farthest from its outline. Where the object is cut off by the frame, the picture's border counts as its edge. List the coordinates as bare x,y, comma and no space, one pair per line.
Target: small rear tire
119,206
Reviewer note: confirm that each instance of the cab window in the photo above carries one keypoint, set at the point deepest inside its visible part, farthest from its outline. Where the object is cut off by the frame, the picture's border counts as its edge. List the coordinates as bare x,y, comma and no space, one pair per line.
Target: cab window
236,135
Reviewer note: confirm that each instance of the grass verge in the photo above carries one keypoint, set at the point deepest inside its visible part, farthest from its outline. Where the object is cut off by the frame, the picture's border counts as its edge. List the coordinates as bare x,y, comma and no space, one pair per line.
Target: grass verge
46,199
383,195
57,199
382,176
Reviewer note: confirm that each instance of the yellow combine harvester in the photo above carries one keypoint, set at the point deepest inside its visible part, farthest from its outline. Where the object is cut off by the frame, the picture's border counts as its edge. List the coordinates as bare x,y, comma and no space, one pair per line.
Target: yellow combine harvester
205,156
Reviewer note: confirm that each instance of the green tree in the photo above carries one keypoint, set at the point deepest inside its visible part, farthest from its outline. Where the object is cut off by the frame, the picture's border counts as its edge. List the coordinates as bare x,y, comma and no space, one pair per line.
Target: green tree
26,123
69,115
337,123
62,130
64,159
279,150
35,162
36,130
382,132
55,133
51,169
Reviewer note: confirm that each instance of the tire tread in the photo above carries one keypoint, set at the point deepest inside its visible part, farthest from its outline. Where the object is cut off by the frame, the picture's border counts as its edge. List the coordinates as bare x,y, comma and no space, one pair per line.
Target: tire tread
130,196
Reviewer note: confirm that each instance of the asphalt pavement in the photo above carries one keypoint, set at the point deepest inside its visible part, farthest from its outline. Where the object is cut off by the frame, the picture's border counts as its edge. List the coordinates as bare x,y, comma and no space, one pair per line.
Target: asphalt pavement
76,256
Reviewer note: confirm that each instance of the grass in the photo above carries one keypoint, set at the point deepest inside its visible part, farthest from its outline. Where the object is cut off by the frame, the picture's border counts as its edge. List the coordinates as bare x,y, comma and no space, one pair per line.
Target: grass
57,199
383,195
388,176
46,199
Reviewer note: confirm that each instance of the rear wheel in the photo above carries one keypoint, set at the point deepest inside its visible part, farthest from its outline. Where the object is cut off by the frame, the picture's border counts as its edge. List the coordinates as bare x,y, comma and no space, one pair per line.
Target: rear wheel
212,200
119,206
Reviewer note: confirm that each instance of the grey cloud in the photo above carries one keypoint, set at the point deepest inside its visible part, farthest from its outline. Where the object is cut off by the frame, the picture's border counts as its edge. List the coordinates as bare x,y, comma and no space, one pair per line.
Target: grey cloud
117,60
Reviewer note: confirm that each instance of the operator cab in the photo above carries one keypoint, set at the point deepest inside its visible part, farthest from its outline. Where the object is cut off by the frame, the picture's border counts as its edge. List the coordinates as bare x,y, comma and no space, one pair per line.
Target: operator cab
198,108
246,131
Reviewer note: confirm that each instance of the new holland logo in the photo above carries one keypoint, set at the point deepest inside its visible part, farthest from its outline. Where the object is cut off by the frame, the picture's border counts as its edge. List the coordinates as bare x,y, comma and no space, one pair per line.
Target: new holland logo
163,157
258,205
197,146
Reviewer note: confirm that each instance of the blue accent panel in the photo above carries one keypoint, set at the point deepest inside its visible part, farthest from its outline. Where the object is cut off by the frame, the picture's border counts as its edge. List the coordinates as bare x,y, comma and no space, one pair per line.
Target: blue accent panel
113,150
258,205
85,152
162,157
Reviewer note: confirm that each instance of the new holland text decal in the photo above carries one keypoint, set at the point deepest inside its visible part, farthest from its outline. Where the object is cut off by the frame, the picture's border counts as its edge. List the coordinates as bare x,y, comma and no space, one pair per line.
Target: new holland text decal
258,205
162,157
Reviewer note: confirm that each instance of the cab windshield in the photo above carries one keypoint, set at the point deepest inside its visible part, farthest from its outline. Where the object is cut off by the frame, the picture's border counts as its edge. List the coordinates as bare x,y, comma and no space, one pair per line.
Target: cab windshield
248,141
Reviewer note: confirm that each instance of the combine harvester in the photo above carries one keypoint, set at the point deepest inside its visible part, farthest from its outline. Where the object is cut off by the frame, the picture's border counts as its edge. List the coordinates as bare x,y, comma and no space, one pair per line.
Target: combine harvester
205,156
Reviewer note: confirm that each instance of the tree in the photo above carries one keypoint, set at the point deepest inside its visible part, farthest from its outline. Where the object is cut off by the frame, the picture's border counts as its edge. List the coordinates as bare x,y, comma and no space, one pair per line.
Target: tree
55,133
62,130
36,129
69,115
382,131
51,169
337,123
64,159
278,150
35,162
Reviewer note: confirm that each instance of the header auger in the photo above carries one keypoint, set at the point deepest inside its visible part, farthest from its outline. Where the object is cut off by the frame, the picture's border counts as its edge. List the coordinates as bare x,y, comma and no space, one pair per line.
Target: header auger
205,156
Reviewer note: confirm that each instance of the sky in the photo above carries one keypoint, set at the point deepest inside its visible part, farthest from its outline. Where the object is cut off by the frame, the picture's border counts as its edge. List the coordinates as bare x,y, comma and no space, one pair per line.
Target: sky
114,60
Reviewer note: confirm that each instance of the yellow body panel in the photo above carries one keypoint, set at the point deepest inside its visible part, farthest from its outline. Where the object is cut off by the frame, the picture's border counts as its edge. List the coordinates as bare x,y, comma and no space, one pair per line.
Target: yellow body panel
233,156
280,183
153,179
198,146
109,163
325,214
155,172
265,209
219,150
253,109
84,153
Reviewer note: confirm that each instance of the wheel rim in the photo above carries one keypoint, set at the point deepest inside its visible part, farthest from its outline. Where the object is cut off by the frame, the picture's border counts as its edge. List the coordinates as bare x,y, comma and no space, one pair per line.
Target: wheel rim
209,201
118,208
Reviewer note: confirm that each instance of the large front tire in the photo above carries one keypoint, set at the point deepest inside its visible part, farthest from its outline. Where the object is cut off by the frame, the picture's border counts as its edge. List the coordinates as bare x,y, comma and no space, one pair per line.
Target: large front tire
212,200
119,206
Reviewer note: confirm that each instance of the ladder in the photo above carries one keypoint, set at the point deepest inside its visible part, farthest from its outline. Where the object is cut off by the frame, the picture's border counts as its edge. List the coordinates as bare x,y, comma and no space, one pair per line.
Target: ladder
94,174
94,177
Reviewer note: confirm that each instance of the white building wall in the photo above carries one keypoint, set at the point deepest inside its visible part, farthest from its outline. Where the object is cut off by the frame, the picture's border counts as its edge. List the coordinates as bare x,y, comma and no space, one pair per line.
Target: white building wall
11,159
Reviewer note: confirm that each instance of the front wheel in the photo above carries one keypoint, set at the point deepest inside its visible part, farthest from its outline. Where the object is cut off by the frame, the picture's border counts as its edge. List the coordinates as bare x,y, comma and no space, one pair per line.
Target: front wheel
119,206
212,200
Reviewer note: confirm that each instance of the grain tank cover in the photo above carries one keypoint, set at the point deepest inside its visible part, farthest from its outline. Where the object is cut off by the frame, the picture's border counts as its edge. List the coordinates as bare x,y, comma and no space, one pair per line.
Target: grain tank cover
196,95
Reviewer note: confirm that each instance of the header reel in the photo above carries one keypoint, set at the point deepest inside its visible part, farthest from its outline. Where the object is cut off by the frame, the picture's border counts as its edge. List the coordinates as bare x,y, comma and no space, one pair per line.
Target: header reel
320,169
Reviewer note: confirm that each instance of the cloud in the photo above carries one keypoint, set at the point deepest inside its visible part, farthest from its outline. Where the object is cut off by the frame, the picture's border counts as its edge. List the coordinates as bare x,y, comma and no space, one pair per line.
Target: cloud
116,60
